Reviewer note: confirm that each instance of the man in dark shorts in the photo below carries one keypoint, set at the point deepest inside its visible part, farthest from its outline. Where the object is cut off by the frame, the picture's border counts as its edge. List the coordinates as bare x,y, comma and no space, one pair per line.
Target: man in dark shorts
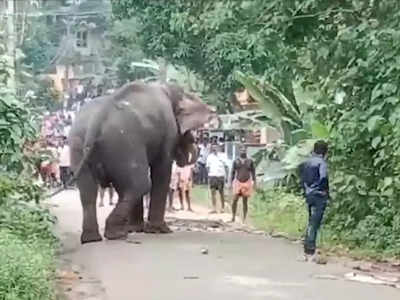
217,172
243,180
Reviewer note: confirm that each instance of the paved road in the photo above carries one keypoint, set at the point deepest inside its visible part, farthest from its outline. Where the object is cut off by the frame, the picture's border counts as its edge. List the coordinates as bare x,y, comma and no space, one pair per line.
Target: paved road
238,266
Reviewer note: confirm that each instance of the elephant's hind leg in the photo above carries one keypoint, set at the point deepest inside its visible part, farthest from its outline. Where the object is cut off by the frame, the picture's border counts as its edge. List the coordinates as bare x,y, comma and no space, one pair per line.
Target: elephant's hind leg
132,184
88,194
118,223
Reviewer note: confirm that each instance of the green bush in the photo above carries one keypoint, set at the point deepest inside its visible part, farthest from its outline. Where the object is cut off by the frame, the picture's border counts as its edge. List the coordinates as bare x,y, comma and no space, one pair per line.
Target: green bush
20,212
26,268
27,220
27,243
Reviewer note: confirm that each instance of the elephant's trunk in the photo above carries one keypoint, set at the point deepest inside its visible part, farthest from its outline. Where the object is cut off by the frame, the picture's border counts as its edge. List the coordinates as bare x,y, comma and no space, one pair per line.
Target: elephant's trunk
192,154
186,150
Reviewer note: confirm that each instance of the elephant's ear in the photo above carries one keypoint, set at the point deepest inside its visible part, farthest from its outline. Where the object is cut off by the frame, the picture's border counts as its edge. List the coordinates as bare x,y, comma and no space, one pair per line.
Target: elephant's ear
191,113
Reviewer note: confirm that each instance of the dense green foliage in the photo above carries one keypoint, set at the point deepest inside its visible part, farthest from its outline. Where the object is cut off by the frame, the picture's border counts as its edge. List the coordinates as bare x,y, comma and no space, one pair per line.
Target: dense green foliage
344,52
39,49
40,45
17,124
26,239
124,50
27,243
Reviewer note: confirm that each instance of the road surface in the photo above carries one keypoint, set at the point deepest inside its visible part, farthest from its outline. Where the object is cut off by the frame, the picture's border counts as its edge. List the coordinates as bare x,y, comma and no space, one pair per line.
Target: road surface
172,267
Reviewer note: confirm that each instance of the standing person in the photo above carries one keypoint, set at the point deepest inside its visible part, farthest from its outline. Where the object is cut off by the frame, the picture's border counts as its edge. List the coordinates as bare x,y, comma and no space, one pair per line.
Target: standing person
217,168
67,127
173,186
185,185
315,183
50,165
65,162
146,198
243,180
204,150
146,201
110,195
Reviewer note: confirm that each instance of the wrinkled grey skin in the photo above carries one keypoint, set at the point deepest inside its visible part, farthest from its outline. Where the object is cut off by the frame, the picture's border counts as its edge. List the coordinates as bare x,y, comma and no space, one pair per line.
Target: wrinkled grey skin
117,138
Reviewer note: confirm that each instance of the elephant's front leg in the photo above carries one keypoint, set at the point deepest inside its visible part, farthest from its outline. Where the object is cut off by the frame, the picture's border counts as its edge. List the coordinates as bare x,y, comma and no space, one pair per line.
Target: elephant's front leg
136,221
160,177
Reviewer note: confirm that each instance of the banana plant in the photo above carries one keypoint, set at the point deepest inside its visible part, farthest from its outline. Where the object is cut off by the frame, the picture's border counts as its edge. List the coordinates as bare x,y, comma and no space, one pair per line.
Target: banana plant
298,128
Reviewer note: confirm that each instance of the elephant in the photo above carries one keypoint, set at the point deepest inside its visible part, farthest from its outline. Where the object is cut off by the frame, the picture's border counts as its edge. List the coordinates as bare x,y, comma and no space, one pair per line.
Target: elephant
116,139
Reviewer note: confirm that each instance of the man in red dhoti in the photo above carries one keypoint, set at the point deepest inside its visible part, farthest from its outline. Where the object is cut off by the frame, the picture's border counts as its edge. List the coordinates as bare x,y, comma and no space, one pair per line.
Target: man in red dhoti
243,182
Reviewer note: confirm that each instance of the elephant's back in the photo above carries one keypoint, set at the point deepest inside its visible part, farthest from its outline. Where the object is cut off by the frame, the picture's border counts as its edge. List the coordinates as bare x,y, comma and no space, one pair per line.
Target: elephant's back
149,106
82,118
144,113
79,128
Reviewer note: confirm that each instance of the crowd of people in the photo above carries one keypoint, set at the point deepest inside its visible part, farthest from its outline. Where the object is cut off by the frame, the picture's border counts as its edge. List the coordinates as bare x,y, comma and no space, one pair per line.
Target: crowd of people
54,165
214,169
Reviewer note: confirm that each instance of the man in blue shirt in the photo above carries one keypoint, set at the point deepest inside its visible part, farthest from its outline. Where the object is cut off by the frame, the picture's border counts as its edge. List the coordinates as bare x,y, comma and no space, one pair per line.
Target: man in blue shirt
314,181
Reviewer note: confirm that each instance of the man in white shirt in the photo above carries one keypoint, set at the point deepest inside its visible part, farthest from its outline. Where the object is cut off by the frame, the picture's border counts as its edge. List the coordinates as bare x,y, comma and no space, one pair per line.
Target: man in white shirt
202,161
217,167
65,163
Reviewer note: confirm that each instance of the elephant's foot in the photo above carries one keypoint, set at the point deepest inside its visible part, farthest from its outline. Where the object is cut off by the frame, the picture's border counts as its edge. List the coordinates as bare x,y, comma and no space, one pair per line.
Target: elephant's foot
90,236
115,232
157,228
135,227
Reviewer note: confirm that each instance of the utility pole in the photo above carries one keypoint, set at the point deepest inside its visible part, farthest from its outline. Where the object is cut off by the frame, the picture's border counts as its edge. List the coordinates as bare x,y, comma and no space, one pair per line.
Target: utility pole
69,48
11,43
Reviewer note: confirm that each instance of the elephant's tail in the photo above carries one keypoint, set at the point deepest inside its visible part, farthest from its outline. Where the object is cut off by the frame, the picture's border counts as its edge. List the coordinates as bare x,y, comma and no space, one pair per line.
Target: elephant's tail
77,172
90,140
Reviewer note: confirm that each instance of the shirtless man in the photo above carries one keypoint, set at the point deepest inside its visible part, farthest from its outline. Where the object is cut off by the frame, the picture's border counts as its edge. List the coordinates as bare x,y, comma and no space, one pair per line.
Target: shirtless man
185,185
243,181
173,186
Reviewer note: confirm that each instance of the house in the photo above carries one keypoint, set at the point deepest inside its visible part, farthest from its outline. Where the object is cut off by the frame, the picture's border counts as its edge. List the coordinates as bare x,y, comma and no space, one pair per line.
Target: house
79,60
246,106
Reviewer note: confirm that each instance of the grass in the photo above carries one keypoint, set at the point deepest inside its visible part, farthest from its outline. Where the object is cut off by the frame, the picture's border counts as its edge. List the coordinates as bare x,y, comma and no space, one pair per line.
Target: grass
200,196
274,211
